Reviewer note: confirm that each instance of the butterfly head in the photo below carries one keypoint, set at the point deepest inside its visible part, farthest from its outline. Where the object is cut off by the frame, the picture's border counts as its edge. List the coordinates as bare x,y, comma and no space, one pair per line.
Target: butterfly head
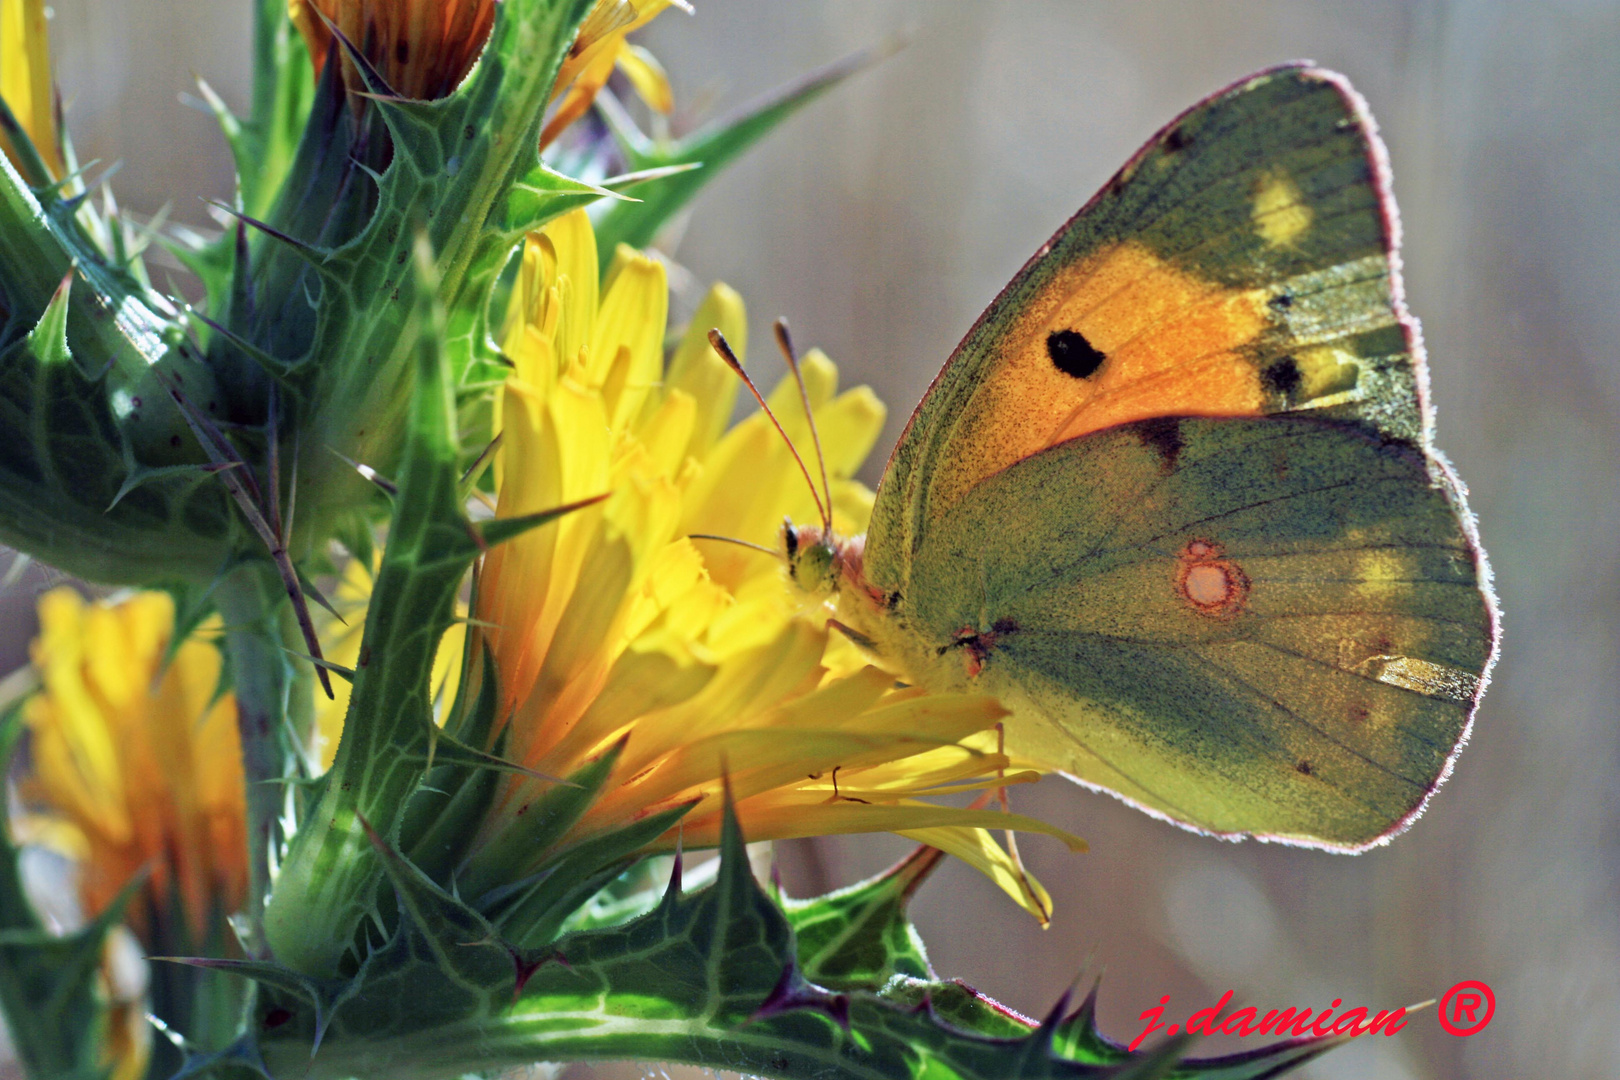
814,557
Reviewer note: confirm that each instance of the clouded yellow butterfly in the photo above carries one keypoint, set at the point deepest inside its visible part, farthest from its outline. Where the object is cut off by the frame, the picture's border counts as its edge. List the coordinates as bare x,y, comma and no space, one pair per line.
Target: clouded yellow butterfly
1173,499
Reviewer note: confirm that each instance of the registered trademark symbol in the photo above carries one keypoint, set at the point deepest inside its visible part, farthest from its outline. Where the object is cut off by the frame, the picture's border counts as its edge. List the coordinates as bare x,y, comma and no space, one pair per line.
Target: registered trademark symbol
1467,1007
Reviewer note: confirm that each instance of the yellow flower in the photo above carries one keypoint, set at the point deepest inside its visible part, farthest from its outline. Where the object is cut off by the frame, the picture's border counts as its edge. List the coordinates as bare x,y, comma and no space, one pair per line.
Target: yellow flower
615,624
136,765
25,80
422,48
598,49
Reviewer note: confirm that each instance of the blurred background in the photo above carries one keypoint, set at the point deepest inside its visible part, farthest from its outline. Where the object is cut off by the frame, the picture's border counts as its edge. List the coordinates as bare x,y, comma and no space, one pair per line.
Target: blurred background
883,219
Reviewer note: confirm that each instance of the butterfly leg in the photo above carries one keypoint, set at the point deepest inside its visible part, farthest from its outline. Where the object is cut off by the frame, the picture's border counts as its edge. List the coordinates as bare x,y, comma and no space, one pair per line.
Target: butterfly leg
977,645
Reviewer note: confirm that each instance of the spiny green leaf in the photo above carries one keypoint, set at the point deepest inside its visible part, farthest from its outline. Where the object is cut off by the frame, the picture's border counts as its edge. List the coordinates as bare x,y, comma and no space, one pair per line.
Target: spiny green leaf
21,146
861,937
500,530
713,147
540,822
283,87
708,978
450,750
545,194
341,321
533,916
325,886
48,340
462,942
82,400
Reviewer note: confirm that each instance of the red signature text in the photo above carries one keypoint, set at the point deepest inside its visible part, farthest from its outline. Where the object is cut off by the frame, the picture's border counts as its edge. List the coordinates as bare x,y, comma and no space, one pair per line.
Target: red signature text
1286,1022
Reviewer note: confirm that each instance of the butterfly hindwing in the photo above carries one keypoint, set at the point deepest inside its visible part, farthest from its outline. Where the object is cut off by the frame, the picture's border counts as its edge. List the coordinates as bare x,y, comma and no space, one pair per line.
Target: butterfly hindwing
1242,264
1253,626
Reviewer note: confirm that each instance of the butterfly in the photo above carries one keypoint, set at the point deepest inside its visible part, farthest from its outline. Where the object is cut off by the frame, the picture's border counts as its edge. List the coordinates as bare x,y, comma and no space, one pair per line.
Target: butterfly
1173,499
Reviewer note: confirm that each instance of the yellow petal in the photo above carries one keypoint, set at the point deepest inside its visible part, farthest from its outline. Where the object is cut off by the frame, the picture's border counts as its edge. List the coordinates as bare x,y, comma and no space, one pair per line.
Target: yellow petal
575,244
849,425
533,311
140,758
528,581
618,624
634,310
25,79
979,850
755,762
668,431
697,370
603,27
647,76
591,59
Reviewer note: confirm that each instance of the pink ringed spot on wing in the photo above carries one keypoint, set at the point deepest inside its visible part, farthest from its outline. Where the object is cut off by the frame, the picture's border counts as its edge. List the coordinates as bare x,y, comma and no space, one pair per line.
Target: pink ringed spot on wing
1213,586
1207,585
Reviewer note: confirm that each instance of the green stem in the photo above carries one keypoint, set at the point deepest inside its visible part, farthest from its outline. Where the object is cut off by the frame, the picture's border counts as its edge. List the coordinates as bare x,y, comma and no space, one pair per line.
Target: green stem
269,18
283,86
275,715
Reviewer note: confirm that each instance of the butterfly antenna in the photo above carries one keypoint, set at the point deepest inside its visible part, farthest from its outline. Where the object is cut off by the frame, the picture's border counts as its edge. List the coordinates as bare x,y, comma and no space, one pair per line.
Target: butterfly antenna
785,342
773,553
721,346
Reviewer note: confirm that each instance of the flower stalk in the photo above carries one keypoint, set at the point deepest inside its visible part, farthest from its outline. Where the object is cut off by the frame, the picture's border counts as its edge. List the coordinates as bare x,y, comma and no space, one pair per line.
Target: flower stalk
275,718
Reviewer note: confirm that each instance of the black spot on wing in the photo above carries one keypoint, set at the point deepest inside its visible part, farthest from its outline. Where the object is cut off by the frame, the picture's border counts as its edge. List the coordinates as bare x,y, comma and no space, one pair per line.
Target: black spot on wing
1282,377
1163,435
1072,354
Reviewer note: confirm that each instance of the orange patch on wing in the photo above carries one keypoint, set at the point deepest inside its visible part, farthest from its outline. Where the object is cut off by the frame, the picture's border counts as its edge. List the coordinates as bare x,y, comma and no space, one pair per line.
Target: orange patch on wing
1171,344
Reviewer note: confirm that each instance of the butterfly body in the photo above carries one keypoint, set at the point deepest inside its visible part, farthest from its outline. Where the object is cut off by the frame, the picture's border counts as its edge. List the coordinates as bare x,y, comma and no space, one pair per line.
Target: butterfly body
1173,499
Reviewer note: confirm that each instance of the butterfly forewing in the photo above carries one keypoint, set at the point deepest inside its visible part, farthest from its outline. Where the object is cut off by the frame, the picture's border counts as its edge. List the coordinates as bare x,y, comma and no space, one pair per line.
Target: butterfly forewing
1240,265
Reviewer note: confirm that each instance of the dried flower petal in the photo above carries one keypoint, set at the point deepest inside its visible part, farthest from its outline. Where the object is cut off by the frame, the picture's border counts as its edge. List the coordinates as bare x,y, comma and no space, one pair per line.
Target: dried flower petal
421,48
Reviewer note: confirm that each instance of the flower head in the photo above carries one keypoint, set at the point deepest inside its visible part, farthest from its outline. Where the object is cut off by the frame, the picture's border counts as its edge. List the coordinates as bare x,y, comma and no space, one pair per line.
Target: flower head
25,81
137,766
600,47
617,624
421,48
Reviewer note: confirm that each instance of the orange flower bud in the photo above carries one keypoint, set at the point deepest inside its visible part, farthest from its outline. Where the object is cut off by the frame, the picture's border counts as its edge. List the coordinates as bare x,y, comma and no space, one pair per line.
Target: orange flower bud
423,48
